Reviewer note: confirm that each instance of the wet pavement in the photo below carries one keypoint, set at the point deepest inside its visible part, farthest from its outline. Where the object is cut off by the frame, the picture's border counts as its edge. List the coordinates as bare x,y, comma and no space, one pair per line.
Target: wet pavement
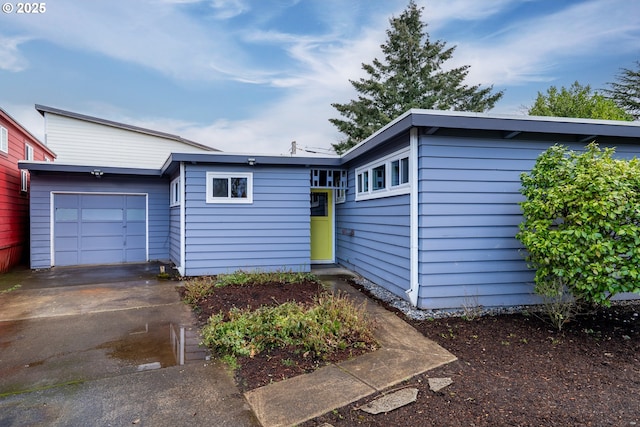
91,346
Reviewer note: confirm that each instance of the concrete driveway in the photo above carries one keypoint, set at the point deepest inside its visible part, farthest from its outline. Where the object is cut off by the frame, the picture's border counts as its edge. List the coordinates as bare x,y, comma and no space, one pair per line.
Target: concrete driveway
91,346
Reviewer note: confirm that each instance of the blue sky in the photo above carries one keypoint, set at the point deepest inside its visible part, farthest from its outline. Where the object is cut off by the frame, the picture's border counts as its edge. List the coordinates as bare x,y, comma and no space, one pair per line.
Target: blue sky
254,75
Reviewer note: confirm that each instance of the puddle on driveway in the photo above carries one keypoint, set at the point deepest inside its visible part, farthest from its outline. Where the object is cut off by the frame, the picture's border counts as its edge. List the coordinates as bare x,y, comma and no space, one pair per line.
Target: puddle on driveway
147,345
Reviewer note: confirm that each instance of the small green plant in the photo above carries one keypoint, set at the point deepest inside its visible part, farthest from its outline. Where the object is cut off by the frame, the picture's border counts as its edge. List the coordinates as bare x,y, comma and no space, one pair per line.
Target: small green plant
11,289
471,308
197,288
332,322
288,362
256,278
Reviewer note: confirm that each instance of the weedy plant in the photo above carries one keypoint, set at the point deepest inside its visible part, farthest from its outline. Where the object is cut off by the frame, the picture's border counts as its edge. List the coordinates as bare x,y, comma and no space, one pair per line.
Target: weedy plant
256,278
332,323
198,288
11,289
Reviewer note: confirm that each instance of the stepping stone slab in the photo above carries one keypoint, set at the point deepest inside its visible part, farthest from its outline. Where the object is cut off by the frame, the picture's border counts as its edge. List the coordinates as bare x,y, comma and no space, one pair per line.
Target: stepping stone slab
437,384
391,401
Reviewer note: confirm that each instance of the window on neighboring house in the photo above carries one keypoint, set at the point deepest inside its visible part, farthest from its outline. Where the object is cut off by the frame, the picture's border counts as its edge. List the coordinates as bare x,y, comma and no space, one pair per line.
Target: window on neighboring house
223,187
24,180
4,140
388,176
28,152
175,192
47,159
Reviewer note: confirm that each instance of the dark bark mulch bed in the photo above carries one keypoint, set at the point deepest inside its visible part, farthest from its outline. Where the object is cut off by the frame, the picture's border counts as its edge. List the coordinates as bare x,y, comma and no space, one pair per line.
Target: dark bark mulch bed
512,370
278,364
516,370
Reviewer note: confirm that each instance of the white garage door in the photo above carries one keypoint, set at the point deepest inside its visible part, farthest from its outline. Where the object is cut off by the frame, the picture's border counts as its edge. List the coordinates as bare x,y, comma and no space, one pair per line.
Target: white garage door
99,229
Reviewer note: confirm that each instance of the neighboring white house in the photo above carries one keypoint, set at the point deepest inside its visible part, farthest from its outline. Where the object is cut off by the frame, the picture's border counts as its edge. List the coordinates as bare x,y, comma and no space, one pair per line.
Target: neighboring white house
80,139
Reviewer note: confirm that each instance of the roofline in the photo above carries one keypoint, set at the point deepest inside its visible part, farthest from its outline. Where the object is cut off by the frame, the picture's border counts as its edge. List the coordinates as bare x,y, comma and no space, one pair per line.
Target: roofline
59,167
485,121
249,159
42,109
31,136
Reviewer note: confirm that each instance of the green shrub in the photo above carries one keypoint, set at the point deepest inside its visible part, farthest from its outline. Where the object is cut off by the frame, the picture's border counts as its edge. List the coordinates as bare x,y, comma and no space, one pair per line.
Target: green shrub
581,227
333,322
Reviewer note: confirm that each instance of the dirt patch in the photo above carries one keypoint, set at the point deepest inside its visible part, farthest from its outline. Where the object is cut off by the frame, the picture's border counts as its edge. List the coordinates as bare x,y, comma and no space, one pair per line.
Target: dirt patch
512,370
515,370
278,364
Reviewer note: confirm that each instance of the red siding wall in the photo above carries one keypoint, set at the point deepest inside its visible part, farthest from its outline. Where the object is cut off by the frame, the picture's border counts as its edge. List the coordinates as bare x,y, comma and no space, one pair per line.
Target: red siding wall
14,203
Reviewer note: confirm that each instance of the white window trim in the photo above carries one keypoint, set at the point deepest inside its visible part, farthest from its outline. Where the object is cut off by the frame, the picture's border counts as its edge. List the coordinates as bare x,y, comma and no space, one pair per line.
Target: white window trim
4,140
24,180
174,192
389,190
229,200
28,152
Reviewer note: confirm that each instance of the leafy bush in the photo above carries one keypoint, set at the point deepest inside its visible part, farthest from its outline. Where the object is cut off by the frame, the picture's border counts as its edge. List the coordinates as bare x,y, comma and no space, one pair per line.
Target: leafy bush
581,225
333,322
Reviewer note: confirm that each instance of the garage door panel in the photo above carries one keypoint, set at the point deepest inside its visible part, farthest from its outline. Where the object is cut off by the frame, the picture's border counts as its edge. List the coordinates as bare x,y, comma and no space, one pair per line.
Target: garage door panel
67,244
99,228
67,258
66,229
102,243
134,202
102,201
67,200
102,229
102,256
134,254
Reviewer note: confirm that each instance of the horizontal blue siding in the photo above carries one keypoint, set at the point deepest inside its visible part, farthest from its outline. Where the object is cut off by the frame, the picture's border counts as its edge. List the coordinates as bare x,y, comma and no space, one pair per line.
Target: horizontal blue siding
468,219
40,193
373,235
272,233
174,235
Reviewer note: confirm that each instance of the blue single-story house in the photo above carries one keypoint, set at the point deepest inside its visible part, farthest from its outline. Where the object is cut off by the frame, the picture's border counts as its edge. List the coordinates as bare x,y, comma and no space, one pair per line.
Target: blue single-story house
427,207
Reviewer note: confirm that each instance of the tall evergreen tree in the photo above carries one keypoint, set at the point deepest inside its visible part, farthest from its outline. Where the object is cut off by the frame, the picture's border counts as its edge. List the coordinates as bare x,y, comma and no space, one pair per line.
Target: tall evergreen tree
577,101
410,76
625,91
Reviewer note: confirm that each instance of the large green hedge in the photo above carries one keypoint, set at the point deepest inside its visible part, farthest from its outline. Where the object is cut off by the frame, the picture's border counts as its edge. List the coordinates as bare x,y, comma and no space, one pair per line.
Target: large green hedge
581,225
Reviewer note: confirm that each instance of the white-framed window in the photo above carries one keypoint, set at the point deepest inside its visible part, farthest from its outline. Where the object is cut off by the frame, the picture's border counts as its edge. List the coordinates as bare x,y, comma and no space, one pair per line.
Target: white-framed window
47,159
24,180
341,196
388,176
174,192
229,187
28,152
4,140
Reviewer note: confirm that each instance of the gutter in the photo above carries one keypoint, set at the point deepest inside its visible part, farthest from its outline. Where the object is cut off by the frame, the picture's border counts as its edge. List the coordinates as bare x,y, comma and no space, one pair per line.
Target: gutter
414,289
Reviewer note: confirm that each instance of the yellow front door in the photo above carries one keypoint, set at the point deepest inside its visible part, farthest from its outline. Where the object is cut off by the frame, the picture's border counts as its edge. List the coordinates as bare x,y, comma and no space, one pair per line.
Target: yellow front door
321,225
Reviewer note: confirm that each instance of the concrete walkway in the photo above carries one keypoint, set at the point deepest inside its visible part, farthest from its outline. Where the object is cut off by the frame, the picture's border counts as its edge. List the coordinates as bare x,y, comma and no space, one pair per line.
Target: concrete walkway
404,353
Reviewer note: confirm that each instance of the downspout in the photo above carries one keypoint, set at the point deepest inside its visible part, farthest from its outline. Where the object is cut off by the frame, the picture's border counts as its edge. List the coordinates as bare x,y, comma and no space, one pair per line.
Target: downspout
414,289
183,238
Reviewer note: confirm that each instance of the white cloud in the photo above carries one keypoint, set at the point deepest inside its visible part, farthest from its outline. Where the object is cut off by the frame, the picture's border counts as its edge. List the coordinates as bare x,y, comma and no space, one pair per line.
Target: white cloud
438,13
534,50
226,9
10,57
162,36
